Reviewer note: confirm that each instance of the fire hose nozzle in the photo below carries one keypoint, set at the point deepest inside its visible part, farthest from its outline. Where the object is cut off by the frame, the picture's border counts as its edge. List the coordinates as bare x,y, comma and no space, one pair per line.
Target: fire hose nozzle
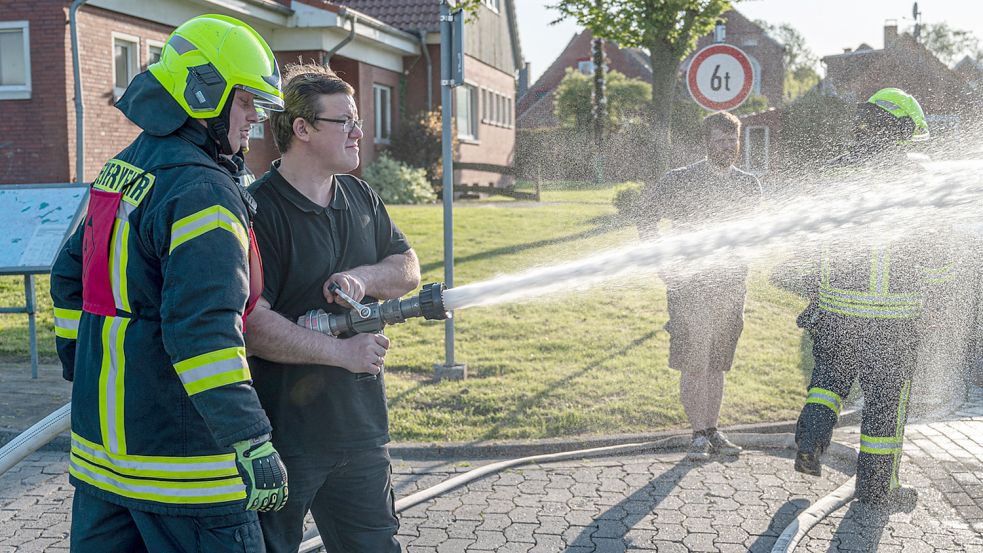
373,317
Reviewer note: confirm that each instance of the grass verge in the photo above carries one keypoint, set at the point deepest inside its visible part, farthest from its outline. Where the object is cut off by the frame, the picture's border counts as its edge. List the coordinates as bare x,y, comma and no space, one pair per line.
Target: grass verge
584,363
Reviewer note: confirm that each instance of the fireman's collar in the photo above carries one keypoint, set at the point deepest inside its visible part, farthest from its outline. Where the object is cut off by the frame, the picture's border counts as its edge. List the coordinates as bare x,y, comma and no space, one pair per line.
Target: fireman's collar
148,104
339,200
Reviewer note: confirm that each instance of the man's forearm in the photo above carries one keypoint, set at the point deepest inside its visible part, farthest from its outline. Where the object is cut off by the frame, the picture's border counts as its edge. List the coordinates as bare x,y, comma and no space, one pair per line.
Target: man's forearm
390,278
271,336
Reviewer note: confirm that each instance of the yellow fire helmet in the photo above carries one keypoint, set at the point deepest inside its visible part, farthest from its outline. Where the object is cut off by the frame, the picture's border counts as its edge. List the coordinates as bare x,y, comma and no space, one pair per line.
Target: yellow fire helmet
208,56
900,104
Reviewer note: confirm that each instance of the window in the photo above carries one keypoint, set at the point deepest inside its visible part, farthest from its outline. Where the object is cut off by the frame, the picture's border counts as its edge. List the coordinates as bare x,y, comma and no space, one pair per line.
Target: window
508,112
484,105
383,113
493,108
467,112
125,61
756,68
15,60
154,50
257,131
586,67
756,149
493,4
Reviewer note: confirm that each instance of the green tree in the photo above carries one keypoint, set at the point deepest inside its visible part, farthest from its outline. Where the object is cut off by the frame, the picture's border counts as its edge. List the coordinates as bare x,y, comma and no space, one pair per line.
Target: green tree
800,63
626,98
949,44
667,29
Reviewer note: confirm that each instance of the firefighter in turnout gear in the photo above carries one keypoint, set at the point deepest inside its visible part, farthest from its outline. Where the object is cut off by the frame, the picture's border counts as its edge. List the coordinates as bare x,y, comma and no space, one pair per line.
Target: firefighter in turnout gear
863,315
170,447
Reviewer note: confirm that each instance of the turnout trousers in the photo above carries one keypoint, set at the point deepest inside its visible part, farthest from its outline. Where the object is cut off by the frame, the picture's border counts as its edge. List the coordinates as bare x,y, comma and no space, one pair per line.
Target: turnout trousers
882,353
350,495
102,527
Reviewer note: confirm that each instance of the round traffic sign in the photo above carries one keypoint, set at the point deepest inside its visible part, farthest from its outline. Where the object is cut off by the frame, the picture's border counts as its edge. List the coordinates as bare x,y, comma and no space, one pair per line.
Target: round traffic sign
720,77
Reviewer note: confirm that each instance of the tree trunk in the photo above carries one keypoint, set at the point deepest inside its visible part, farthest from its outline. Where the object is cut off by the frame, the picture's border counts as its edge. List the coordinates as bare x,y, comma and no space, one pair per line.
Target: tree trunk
600,109
664,67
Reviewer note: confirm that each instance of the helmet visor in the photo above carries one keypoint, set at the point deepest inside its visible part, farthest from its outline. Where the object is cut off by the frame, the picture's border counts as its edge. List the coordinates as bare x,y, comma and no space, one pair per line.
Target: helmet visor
264,100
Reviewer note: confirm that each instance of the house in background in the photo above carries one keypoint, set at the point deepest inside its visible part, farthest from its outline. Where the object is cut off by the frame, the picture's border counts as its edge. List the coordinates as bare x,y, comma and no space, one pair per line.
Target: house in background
536,106
388,50
946,95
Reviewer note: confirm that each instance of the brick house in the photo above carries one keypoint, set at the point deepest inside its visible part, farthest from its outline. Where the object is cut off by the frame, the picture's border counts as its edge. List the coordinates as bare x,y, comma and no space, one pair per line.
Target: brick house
536,106
946,95
388,62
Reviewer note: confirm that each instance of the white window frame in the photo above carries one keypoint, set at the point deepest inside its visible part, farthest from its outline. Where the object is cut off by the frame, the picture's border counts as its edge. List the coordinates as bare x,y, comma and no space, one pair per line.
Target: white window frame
134,64
747,150
152,44
473,112
382,135
492,5
257,131
19,91
508,112
485,93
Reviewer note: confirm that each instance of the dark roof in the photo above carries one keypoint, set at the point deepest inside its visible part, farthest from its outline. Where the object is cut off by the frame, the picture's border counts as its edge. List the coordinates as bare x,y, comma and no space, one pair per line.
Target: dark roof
422,15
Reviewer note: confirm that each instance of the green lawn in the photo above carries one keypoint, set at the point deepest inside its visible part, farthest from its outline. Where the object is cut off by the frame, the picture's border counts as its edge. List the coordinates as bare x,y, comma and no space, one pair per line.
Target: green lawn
584,363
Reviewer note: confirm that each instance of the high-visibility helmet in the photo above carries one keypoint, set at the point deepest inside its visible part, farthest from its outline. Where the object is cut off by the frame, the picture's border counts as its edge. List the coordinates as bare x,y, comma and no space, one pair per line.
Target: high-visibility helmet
902,105
208,56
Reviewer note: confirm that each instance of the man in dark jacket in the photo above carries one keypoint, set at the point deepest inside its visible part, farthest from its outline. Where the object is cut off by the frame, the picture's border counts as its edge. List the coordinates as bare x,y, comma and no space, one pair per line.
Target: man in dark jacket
706,309
170,449
868,297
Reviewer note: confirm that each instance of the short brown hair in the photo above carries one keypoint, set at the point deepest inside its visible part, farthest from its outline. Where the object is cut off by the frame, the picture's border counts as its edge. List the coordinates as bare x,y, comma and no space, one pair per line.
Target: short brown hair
722,121
305,84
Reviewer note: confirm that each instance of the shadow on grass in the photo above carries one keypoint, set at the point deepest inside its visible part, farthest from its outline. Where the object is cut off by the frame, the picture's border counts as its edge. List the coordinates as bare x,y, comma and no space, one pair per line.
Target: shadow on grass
603,224
525,404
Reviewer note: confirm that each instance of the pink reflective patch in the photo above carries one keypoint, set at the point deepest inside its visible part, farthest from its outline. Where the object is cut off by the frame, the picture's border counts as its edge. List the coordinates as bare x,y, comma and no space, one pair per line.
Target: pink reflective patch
97,288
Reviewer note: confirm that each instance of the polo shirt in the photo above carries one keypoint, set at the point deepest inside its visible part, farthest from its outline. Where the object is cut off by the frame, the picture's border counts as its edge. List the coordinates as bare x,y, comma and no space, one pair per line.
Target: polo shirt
317,408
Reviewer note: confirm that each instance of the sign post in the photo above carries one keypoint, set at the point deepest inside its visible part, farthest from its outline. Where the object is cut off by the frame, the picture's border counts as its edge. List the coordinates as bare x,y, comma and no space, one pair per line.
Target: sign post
35,221
451,75
720,77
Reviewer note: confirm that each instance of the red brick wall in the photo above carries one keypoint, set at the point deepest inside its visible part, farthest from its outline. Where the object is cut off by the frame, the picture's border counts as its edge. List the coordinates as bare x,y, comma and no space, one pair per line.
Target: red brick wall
107,131
365,98
32,131
495,143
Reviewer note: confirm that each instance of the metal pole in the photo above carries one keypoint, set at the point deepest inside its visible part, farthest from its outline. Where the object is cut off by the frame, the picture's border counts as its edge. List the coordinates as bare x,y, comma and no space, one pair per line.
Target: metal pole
79,109
31,301
446,139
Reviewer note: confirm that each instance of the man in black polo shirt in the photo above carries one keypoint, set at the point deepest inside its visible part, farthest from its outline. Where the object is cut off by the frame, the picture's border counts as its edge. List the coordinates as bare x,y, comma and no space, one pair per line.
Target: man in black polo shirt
325,396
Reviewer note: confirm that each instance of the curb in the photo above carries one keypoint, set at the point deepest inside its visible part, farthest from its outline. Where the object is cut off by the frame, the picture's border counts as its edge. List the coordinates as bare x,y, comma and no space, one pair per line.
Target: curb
419,451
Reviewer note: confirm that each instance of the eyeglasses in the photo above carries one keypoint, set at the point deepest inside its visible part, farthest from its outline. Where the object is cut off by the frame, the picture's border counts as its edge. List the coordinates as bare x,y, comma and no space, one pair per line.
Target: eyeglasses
349,124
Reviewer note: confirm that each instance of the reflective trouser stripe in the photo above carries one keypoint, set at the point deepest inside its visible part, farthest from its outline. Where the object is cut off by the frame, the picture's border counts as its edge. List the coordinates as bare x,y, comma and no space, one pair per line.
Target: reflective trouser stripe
111,389
879,446
210,218
145,466
213,369
67,323
163,491
826,398
890,445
